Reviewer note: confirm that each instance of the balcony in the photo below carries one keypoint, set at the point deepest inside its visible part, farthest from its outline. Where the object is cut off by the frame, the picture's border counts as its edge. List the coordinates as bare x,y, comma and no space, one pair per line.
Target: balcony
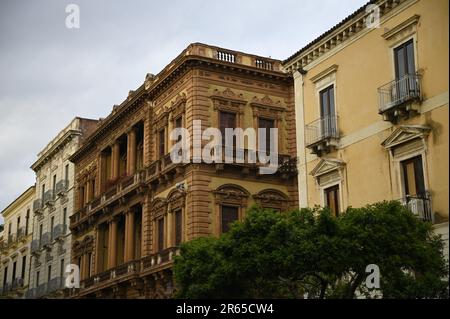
322,135
46,240
62,187
49,197
37,206
30,293
21,234
12,239
41,290
55,284
6,288
59,231
35,246
399,98
420,206
17,283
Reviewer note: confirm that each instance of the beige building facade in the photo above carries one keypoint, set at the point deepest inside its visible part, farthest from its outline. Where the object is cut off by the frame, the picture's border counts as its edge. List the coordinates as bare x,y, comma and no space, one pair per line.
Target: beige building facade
371,100
15,246
51,209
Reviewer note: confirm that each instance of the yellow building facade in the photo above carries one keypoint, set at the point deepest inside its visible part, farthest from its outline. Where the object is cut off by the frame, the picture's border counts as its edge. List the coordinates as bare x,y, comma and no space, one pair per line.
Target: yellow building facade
371,99
15,246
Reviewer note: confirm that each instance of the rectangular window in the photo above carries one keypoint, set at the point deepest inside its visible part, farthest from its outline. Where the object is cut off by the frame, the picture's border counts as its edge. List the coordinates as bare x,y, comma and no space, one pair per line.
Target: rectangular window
54,182
162,143
52,223
14,270
332,199
66,173
161,234
229,214
327,113
413,179
404,60
27,219
5,276
61,269
227,120
18,225
178,227
37,278
179,124
43,191
49,272
89,260
24,265
64,221
267,124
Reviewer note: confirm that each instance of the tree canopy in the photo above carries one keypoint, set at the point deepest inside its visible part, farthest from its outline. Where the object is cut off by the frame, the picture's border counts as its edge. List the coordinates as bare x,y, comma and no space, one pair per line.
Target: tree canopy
308,253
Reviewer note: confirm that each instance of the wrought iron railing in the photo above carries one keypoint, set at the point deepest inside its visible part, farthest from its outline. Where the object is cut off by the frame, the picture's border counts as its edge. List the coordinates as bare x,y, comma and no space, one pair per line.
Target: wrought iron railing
45,239
399,91
59,231
35,246
321,129
17,283
61,187
49,196
41,290
54,284
37,205
420,205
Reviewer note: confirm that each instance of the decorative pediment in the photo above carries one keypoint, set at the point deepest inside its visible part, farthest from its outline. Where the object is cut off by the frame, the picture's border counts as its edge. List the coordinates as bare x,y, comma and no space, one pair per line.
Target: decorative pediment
231,193
176,199
178,105
159,207
84,246
327,165
404,134
267,103
228,101
272,198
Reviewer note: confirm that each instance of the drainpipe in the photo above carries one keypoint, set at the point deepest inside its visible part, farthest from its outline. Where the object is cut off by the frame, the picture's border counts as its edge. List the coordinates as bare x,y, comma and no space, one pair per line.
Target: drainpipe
300,132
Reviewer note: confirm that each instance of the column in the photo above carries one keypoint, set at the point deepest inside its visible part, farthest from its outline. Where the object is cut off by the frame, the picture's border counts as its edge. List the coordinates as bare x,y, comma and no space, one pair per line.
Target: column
115,158
112,244
131,149
129,235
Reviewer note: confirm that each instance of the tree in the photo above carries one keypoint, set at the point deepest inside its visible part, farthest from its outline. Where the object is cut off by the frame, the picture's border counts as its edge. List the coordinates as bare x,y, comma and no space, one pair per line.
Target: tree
309,253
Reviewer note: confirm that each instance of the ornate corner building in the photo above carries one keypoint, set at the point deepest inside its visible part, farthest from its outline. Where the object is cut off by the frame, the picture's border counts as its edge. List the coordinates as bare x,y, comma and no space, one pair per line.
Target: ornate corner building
134,206
15,241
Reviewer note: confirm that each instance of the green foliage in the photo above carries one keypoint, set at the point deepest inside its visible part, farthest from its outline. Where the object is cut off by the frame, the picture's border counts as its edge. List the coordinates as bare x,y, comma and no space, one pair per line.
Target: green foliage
309,252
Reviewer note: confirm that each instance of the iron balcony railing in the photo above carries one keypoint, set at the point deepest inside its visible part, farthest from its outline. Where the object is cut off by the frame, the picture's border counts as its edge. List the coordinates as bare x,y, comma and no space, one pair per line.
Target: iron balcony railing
46,239
59,231
321,129
21,233
6,288
35,246
30,293
12,239
420,206
49,196
41,290
61,187
399,91
37,205
17,283
55,284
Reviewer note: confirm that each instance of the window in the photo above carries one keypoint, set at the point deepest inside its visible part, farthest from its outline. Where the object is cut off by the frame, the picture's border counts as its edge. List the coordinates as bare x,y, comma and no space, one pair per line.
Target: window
226,120
332,199
179,124
267,124
5,276
89,260
37,278
413,178
43,191
52,223
178,227
404,59
24,265
162,143
64,222
40,232
9,228
49,272
14,270
229,215
18,225
27,218
61,269
66,173
160,234
54,182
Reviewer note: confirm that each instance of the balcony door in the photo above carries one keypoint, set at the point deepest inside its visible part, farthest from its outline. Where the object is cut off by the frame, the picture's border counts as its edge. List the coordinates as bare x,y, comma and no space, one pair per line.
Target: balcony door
332,199
327,112
413,178
405,70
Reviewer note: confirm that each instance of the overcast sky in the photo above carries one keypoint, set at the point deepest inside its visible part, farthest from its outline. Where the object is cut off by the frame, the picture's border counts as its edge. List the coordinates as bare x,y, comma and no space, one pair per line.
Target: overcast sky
50,74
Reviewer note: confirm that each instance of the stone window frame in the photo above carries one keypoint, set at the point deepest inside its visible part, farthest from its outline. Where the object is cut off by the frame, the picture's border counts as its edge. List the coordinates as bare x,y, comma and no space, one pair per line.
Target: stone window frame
266,108
176,200
159,210
229,195
271,198
229,102
161,122
177,110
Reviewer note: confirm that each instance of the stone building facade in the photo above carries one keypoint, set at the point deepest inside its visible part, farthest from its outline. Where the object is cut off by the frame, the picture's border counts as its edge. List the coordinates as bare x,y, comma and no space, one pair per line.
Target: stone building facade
15,246
52,207
371,102
134,206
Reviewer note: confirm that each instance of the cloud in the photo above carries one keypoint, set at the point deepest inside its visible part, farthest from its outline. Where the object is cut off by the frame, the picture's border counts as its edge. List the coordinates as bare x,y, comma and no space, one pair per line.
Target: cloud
50,74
